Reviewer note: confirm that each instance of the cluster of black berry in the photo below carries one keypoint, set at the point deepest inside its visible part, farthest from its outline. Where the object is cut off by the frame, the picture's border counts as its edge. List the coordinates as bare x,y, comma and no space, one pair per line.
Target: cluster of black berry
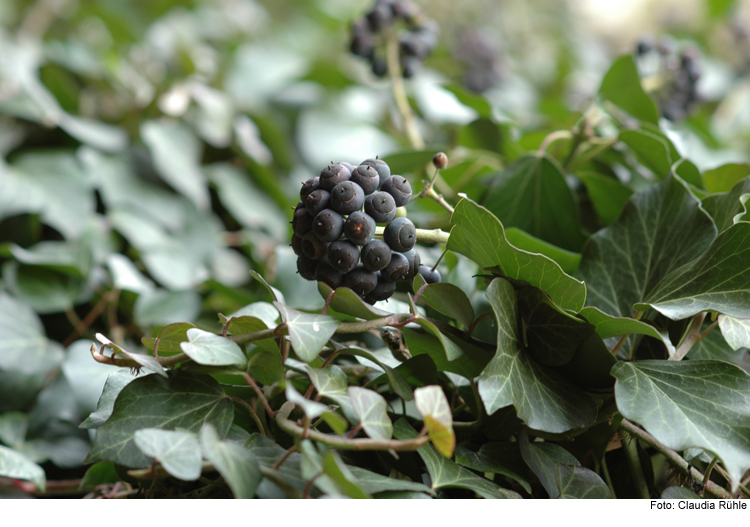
416,41
676,76
334,230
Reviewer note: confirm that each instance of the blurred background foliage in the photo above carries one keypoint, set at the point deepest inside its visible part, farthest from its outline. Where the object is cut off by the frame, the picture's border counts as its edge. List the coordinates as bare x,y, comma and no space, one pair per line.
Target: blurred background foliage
150,151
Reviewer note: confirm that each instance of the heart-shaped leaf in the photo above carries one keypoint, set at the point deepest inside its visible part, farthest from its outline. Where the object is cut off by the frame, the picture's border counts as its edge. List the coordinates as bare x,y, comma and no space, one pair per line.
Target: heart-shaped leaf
308,333
542,458
236,464
178,451
580,483
314,409
622,86
436,412
212,350
447,299
372,410
170,337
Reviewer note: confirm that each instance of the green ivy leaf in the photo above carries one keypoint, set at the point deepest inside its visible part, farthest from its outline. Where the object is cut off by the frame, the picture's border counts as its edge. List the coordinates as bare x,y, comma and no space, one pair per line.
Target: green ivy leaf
497,458
102,473
13,428
580,483
112,387
15,465
679,493
607,194
446,299
725,207
236,464
436,412
335,469
725,177
542,399
23,347
147,362
714,347
410,161
178,451
479,235
451,350
261,310
736,331
696,403
250,324
314,409
532,194
347,301
717,281
622,86
170,337
264,366
212,350
180,401
567,260
332,383
654,150
608,326
542,459
44,290
63,257
469,366
372,410
444,473
308,333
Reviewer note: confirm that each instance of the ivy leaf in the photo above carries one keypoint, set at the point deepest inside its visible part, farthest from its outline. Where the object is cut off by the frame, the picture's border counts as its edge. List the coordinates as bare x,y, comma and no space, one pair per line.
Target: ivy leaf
608,326
236,464
102,473
479,235
147,362
112,387
63,257
726,206
622,86
13,428
265,367
345,300
436,412
15,465
723,178
447,299
250,324
308,333
608,196
736,331
471,363
567,260
170,337
451,350
717,281
372,410
180,401
531,194
212,350
542,458
714,347
259,310
679,493
335,469
24,348
314,409
696,403
178,451
332,383
542,399
497,458
580,483
444,473
654,150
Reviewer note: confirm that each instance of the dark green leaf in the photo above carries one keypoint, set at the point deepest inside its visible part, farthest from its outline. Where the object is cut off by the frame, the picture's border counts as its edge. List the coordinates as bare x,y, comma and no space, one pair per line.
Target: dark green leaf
496,458
479,235
532,194
567,260
44,290
13,428
469,365
580,483
608,196
335,469
347,301
444,473
726,206
451,349
170,337
446,299
696,403
264,366
236,464
622,86
723,178
719,280
314,409
178,451
181,401
112,387
472,100
308,333
247,324
542,399
62,257
210,349
102,473
542,458
736,331
608,326
679,493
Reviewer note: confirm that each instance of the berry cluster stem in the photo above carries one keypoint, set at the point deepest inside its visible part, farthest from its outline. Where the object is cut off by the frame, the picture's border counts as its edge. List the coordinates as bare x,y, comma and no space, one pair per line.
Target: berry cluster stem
423,235
399,91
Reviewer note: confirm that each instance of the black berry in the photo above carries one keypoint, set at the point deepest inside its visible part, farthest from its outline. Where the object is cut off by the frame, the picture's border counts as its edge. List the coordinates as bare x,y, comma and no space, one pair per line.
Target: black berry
383,290
397,269
317,201
308,186
302,220
400,235
312,247
380,166
414,260
306,267
325,273
342,255
360,280
347,197
430,276
366,177
381,207
332,175
328,225
359,228
399,188
376,255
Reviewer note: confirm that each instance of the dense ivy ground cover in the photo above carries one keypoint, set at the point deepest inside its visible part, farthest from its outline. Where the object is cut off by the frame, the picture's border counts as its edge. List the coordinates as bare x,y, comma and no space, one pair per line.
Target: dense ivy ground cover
590,335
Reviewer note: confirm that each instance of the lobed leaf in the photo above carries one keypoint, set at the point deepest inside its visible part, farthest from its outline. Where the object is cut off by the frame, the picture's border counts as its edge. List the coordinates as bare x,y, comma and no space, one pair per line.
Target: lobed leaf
212,350
236,464
178,451
580,483
308,333
372,410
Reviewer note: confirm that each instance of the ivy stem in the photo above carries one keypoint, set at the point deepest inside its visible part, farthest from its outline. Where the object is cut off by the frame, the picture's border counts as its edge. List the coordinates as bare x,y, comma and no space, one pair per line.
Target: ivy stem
607,478
429,192
258,391
636,470
344,443
551,138
423,235
694,335
707,473
475,324
399,91
283,458
252,411
130,363
675,460
84,324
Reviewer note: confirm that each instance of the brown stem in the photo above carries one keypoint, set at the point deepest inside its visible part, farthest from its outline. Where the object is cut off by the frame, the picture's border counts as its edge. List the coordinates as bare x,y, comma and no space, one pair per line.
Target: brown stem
283,458
130,363
675,459
258,391
475,324
252,411
694,335
84,324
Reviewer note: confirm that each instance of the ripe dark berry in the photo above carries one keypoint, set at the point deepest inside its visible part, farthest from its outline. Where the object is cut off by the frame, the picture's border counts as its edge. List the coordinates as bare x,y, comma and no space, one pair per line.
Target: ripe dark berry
302,220
317,201
308,186
306,267
342,255
440,160
360,280
359,228
328,275
379,67
376,255
349,166
397,269
297,244
383,291
347,197
328,226
381,206
400,235
332,175
414,260
381,16
381,166
312,247
399,188
366,177
430,276
410,66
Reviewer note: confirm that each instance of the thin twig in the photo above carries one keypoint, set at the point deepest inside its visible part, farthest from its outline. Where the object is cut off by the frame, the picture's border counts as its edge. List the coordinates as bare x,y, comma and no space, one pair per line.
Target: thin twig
399,91
636,470
258,391
252,411
694,335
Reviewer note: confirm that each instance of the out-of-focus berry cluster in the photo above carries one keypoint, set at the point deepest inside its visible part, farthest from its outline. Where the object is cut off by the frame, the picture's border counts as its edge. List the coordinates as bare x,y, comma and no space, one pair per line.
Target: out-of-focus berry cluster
417,35
334,230
671,76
